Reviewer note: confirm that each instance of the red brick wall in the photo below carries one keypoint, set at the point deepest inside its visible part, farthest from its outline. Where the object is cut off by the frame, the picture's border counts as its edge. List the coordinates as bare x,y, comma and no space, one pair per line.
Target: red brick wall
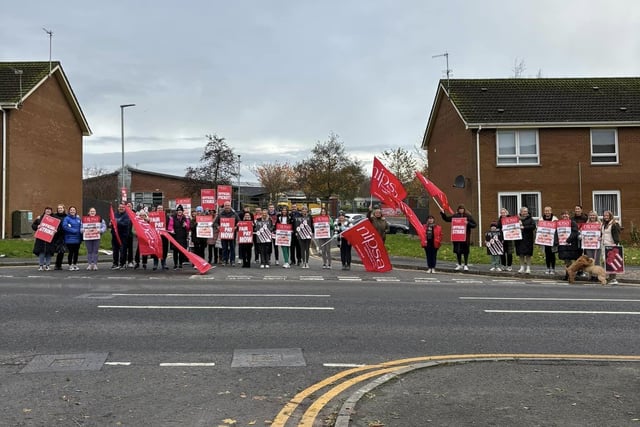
564,177
44,155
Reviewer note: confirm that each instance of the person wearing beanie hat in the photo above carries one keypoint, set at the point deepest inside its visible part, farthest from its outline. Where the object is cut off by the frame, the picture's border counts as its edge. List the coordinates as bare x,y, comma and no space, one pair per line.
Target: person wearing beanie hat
179,227
179,208
461,249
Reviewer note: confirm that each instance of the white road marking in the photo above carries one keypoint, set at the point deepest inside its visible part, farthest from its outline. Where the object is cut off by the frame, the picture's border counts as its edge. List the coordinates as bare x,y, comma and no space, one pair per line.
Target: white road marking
350,278
426,279
223,295
311,278
118,363
188,364
562,312
238,277
550,299
343,365
213,307
386,279
275,278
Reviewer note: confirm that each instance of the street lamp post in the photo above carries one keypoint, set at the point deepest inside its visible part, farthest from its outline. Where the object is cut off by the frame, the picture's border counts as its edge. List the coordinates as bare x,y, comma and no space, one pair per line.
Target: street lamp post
122,107
238,182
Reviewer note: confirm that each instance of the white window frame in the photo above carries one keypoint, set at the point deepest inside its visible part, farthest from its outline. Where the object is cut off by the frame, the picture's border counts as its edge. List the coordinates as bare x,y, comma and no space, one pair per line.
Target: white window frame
598,155
616,214
517,155
518,195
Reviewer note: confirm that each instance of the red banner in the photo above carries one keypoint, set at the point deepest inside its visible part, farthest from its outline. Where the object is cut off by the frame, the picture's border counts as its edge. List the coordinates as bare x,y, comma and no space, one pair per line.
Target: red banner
208,198
385,186
415,221
47,228
435,192
368,244
148,237
458,229
245,232
224,194
201,265
114,225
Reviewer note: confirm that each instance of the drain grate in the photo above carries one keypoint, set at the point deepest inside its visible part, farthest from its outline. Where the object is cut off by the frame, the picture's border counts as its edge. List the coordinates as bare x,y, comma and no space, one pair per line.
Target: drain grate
66,362
268,357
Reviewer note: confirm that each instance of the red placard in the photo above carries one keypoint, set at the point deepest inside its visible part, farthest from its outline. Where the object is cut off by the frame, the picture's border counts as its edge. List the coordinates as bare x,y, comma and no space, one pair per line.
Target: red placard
591,234
283,234
158,220
47,228
511,228
204,228
458,229
91,227
208,198
245,232
226,228
564,231
321,227
224,194
545,233
614,259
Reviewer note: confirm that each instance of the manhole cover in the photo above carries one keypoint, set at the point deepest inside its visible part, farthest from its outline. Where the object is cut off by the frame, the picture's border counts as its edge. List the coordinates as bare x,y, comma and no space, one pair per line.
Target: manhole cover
268,357
66,362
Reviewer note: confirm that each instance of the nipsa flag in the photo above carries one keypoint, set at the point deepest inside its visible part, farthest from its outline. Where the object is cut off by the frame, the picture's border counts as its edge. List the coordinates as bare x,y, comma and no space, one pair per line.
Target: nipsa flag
435,192
369,246
385,186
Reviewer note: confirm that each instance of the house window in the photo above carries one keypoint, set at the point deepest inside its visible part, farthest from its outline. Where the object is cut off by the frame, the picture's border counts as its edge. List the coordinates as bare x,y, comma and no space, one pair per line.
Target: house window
607,201
604,146
514,201
147,198
517,147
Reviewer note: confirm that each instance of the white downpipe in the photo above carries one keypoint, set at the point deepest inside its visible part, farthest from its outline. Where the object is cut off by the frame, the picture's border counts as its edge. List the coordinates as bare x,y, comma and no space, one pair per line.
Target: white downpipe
479,186
4,173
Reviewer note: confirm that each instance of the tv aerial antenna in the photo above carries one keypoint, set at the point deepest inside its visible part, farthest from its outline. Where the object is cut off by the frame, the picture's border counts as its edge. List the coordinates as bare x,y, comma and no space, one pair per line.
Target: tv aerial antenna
50,42
448,70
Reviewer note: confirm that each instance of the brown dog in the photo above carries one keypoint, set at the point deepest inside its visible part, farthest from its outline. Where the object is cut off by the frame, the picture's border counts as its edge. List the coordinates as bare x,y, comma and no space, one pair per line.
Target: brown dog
588,265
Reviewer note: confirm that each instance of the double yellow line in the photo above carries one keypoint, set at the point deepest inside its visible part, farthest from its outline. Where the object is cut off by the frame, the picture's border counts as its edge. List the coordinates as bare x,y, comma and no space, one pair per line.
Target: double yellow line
312,412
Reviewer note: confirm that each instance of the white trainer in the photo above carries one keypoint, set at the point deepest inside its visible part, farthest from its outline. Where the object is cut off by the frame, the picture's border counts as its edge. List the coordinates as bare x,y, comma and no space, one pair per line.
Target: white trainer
466,267
521,270
458,267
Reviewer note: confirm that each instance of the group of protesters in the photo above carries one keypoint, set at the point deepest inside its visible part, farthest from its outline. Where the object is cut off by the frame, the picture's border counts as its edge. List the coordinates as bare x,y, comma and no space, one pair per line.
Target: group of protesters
580,234
264,234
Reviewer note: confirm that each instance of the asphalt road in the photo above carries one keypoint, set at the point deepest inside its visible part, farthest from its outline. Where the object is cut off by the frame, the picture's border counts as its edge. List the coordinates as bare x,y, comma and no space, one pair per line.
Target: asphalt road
234,347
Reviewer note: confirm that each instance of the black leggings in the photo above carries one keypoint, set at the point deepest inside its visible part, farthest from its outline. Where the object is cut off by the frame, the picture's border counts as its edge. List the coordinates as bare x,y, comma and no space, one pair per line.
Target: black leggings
74,248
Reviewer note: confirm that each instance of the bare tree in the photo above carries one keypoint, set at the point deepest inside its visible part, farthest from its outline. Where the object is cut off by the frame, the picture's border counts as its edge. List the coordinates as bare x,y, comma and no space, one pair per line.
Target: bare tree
218,165
91,171
519,68
276,177
329,171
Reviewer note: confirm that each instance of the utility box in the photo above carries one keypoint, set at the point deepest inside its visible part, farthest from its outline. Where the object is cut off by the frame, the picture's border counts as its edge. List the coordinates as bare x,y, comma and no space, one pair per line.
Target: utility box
22,223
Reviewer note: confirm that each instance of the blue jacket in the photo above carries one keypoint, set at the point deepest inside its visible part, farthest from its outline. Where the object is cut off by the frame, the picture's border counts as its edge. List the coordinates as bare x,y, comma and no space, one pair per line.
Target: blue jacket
71,226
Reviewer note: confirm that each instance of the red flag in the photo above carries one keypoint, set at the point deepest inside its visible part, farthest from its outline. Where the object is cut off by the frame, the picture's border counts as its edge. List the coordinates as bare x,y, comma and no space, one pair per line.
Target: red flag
368,243
148,237
385,186
435,192
415,221
114,225
202,265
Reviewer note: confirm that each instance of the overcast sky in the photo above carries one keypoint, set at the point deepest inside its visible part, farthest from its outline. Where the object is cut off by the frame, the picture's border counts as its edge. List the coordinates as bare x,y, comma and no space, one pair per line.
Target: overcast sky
274,77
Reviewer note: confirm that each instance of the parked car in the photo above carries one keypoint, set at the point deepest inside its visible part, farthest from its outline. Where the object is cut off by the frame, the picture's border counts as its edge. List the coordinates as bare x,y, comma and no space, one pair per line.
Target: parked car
398,228
354,217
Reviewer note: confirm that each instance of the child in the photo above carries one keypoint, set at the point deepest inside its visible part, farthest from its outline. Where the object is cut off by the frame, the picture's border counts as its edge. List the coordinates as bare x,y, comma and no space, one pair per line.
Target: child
495,248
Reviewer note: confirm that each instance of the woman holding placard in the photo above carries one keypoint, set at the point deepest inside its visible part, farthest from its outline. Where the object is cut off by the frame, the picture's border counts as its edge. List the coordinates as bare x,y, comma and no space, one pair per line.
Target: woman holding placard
92,228
461,224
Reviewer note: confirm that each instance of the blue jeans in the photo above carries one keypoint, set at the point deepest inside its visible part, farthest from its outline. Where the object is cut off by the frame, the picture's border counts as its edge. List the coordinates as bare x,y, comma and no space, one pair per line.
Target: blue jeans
228,251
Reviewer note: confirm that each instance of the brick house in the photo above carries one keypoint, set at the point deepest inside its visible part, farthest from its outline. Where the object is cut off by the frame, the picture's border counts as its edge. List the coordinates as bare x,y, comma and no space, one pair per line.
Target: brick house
151,189
558,142
41,131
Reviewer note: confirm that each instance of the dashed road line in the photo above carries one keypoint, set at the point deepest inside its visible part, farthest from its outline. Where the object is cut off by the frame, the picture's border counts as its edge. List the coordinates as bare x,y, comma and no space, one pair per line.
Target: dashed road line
212,307
350,278
624,313
386,279
311,278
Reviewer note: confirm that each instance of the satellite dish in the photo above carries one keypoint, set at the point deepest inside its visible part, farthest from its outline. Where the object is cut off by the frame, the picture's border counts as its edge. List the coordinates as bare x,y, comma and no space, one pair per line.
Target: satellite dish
459,182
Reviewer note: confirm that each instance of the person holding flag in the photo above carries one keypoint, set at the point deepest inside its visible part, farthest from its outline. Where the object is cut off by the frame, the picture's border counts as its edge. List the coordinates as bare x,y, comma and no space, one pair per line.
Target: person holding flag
379,222
461,224
342,224
120,225
179,228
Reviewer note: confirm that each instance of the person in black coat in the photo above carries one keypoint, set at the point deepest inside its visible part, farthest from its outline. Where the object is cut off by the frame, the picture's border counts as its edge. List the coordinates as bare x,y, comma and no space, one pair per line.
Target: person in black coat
461,249
571,250
524,246
41,248
58,239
